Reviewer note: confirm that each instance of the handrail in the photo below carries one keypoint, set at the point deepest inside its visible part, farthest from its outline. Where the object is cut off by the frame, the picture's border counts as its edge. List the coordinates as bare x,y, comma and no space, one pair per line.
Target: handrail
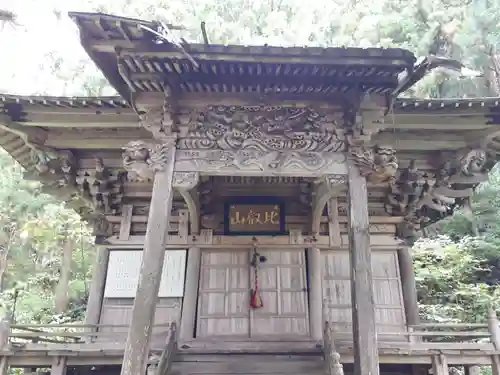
63,333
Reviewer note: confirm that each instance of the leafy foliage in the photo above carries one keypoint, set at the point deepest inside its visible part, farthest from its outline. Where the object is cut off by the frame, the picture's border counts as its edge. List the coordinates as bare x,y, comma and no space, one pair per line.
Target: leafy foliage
35,229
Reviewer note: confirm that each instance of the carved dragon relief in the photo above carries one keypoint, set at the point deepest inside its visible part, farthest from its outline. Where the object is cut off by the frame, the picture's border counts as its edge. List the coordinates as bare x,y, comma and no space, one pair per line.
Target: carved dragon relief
422,198
263,129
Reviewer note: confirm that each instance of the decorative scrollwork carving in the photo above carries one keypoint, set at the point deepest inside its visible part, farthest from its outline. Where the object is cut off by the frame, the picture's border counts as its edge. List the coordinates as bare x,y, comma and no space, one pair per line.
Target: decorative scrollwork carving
215,161
263,128
185,180
378,164
142,159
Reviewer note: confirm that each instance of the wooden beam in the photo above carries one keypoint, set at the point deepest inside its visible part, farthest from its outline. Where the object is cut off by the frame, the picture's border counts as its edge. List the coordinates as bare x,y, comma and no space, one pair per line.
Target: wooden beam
143,311
363,305
96,293
126,222
409,286
206,240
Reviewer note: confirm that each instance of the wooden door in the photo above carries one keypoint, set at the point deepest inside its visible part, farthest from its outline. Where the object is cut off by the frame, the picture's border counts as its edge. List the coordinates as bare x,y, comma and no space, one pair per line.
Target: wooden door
389,307
283,285
223,308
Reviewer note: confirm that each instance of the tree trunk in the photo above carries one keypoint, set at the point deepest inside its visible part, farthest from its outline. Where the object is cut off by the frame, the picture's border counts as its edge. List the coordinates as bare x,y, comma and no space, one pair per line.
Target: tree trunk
4,261
62,290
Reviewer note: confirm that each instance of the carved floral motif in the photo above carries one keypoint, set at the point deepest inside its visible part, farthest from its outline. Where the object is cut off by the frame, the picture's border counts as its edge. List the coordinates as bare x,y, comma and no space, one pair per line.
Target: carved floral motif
378,164
142,159
262,128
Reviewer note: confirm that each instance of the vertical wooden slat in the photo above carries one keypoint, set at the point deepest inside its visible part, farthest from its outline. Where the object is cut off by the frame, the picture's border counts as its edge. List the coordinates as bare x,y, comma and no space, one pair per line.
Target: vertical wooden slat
96,293
409,286
138,338
363,304
439,365
183,224
333,222
494,328
315,293
126,222
190,294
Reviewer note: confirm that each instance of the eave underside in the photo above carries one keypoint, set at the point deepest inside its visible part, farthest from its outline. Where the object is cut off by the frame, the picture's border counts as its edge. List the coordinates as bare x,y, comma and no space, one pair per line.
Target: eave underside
424,131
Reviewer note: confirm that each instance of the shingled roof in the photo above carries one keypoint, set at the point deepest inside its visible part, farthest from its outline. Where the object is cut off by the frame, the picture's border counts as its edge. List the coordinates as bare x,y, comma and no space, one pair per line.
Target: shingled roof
134,60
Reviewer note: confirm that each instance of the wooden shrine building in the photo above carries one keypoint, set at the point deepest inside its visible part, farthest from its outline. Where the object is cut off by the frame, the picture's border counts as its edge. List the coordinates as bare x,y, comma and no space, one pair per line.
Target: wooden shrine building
252,206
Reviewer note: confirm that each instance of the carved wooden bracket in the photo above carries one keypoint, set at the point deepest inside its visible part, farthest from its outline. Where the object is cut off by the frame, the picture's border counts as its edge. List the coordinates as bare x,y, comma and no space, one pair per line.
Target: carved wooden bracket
424,198
185,180
378,164
99,189
326,187
185,183
142,159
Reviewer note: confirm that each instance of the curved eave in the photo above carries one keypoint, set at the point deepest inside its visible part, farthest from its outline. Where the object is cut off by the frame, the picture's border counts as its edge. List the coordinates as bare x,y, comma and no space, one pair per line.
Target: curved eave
133,61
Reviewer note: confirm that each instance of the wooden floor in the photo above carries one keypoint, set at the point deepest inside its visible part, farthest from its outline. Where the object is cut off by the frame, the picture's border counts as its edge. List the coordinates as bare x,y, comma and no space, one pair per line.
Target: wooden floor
95,354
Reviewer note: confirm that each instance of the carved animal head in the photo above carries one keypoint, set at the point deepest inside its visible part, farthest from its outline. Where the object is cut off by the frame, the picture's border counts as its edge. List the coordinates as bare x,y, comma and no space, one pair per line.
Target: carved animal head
384,155
135,151
474,162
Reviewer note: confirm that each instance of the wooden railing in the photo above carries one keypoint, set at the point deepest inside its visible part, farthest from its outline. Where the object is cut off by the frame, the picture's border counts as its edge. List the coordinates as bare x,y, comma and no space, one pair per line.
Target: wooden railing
60,337
433,338
65,333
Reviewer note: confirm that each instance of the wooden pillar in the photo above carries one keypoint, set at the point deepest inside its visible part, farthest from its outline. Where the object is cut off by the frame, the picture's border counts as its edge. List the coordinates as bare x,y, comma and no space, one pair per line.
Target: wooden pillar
137,345
96,293
315,294
363,305
59,366
409,286
188,317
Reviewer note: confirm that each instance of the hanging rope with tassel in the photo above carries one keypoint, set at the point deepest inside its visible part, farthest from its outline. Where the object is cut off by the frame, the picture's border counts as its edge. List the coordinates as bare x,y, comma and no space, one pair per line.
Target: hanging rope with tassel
255,297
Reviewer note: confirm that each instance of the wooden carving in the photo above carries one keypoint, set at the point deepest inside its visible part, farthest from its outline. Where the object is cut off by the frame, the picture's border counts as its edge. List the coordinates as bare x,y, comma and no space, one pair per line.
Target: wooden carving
155,120
262,128
185,180
142,159
423,198
56,170
378,164
258,162
101,187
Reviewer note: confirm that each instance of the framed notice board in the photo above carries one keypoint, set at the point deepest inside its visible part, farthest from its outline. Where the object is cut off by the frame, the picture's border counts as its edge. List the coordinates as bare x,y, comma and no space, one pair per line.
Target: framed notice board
254,216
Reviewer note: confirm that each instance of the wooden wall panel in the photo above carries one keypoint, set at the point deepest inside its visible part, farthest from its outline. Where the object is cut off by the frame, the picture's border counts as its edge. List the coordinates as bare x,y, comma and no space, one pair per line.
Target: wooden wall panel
124,268
118,311
390,314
